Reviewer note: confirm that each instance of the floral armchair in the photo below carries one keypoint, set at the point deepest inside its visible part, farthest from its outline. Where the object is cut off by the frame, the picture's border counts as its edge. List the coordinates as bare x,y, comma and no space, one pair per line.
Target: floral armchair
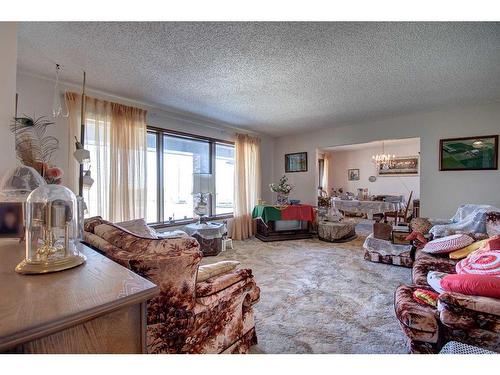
213,316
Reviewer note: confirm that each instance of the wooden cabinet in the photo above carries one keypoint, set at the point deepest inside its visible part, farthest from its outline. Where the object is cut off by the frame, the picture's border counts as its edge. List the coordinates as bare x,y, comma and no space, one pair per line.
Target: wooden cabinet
98,307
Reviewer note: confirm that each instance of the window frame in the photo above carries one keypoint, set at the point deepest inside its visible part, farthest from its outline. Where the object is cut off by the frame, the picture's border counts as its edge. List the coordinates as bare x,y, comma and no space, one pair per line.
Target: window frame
212,142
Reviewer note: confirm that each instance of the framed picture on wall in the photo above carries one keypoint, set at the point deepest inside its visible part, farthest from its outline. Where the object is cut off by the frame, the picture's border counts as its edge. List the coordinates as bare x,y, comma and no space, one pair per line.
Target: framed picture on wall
469,153
400,166
353,174
296,162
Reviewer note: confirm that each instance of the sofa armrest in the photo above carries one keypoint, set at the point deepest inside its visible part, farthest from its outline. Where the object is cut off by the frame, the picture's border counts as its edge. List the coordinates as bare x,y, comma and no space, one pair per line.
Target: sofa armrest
479,304
221,282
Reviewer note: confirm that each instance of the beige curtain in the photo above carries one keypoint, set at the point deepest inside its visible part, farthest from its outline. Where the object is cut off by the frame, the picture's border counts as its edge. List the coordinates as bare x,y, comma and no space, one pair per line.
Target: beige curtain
116,137
326,166
247,185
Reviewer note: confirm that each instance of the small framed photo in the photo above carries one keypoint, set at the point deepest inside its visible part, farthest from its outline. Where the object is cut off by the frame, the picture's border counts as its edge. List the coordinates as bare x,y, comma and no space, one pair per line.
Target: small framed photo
11,220
296,162
353,174
469,153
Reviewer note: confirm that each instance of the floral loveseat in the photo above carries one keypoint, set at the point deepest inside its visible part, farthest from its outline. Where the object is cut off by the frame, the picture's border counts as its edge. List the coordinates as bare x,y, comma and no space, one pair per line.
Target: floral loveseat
213,316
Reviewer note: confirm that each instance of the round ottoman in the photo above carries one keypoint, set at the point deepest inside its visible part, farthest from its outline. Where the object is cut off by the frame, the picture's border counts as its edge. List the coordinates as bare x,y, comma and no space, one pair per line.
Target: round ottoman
331,231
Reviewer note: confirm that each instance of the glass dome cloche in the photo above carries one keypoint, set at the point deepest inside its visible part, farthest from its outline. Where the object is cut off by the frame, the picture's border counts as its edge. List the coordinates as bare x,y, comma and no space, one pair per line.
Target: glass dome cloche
51,231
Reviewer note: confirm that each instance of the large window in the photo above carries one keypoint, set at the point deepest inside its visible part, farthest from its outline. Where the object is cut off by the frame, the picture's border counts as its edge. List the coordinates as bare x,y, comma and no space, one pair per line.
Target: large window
180,165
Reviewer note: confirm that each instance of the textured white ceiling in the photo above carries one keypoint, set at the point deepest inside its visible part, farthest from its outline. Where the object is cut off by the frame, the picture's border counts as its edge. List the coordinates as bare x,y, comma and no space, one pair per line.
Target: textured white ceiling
276,78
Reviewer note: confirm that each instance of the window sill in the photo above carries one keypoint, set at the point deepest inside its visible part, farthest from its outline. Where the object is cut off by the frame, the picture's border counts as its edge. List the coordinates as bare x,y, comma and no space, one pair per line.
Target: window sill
180,223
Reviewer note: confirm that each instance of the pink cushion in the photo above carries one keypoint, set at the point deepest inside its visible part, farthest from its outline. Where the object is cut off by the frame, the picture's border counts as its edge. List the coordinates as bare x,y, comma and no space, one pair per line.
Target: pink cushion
472,285
447,244
492,243
480,263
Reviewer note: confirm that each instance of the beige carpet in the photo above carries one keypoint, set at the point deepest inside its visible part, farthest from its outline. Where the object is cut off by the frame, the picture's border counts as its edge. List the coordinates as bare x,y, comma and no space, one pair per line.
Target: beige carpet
318,297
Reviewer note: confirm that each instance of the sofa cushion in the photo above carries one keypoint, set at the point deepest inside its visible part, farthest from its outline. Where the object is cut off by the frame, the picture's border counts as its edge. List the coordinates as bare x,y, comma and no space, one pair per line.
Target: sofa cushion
425,297
447,244
493,223
138,227
462,253
492,243
474,285
480,263
210,270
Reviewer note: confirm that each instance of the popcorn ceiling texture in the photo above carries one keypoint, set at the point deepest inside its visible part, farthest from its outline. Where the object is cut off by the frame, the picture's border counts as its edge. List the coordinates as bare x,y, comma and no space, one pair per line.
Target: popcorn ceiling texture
276,78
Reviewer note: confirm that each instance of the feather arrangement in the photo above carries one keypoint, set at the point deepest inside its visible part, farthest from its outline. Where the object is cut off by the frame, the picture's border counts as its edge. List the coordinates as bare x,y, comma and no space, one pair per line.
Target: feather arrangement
34,147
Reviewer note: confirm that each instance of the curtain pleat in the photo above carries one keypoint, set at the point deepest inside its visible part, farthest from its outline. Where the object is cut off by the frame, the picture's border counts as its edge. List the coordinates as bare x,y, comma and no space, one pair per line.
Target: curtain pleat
116,137
247,185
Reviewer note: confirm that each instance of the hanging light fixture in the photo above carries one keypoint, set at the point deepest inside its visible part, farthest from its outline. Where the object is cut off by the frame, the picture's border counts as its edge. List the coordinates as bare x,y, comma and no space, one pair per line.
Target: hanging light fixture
59,107
383,160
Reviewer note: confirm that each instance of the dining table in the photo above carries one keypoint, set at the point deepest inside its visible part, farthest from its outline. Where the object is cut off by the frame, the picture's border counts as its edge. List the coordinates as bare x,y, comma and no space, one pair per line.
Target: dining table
368,207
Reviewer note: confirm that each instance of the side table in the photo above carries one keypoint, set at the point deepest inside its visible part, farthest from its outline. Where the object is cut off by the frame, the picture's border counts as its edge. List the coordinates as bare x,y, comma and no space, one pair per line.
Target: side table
208,235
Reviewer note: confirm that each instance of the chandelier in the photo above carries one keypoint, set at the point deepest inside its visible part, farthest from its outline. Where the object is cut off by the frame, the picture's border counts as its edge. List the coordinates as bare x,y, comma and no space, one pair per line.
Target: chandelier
383,159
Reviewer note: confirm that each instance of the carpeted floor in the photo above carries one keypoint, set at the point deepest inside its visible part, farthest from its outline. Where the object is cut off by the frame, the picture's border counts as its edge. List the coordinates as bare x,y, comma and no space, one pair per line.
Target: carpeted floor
318,297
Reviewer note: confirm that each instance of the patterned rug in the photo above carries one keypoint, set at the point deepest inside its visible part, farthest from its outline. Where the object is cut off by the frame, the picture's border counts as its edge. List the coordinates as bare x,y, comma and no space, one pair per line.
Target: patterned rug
319,297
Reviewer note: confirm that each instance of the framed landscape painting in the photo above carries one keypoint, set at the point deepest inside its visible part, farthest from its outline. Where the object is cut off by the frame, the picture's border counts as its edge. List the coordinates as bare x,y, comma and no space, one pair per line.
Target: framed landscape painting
400,166
468,154
296,162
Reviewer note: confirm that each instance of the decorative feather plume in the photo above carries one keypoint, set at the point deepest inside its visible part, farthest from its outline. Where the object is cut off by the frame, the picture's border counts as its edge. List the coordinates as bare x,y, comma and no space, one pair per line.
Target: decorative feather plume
33,147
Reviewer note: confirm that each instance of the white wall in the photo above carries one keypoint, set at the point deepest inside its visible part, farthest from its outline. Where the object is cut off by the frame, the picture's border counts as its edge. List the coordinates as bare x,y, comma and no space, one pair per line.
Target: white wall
8,66
361,159
35,97
441,192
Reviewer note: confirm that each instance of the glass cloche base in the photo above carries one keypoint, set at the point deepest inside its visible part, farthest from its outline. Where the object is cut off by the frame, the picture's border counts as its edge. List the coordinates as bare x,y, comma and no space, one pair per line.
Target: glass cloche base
53,266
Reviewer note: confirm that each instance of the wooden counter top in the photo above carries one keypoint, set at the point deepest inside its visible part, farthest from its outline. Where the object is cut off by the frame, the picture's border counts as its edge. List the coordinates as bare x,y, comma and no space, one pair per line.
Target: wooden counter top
34,306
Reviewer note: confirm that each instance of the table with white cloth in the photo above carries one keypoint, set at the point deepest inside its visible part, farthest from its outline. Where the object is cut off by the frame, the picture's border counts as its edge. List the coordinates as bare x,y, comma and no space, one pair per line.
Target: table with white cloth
208,235
366,207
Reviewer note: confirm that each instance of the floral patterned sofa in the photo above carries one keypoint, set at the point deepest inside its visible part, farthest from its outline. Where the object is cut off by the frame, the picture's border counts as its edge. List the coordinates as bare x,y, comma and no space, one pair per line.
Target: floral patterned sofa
469,319
213,316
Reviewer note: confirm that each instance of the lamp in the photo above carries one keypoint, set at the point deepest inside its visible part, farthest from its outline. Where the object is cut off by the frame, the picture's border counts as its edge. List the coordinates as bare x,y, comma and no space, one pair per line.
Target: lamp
81,155
88,181
383,160
201,195
57,106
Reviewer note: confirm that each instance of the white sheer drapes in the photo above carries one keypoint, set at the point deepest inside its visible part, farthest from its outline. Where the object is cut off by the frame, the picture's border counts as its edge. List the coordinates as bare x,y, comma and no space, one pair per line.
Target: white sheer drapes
247,184
116,137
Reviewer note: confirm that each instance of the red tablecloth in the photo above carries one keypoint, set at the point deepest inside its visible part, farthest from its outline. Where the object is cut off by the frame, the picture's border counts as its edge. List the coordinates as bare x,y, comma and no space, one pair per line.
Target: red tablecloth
302,212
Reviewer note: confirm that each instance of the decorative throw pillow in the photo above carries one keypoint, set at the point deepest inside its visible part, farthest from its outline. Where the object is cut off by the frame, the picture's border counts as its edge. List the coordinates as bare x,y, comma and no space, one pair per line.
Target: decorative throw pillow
447,244
138,227
421,225
472,285
425,297
492,243
434,280
210,270
462,253
480,263
493,223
